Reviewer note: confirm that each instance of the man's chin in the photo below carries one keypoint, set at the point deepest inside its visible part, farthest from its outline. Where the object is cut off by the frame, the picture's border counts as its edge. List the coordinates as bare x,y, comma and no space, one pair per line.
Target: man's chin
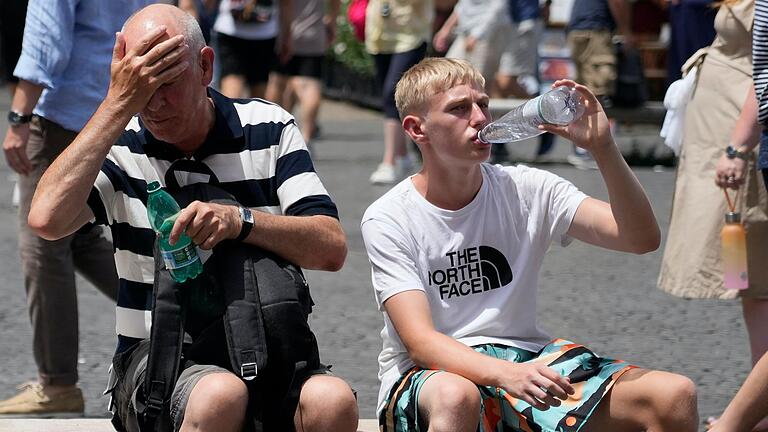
163,134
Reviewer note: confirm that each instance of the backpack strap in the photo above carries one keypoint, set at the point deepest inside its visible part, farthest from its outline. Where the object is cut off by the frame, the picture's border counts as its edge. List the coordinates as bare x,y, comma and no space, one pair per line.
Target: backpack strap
166,337
243,320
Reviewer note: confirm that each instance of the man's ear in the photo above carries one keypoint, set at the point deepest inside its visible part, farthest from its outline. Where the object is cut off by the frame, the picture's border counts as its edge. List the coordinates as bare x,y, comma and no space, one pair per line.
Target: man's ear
413,126
206,65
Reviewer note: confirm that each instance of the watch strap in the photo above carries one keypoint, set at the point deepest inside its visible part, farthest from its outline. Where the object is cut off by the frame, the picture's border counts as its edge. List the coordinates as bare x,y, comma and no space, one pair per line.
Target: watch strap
733,153
16,118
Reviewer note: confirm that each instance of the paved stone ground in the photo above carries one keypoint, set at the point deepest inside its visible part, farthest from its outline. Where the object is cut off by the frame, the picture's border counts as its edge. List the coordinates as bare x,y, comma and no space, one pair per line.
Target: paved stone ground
605,299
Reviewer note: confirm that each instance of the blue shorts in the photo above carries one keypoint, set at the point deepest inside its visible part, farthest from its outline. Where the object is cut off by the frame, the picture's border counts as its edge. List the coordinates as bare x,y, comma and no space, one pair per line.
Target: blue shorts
591,376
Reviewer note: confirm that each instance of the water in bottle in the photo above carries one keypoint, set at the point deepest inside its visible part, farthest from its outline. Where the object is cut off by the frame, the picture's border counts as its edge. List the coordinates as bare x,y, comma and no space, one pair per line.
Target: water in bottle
559,106
734,243
180,259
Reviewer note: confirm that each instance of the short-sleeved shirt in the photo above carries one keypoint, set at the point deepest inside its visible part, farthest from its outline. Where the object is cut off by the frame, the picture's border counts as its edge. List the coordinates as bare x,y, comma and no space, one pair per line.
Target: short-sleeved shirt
307,27
397,26
67,50
255,152
227,25
478,266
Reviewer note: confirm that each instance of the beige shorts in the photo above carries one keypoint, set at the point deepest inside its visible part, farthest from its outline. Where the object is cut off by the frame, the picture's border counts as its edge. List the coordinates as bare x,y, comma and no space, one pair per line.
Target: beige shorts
595,60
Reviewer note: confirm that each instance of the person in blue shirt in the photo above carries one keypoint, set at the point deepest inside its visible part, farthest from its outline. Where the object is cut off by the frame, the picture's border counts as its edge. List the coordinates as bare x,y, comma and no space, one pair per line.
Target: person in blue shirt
63,74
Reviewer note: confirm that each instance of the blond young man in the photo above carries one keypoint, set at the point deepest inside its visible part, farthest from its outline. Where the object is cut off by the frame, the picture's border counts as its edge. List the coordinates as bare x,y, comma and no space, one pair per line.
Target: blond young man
455,252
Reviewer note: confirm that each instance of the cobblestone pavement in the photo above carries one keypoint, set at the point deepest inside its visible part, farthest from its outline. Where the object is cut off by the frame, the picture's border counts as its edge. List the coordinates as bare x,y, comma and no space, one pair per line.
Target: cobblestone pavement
604,299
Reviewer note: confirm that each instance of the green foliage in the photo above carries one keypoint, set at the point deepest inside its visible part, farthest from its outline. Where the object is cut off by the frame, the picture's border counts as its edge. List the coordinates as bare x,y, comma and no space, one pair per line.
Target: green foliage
347,49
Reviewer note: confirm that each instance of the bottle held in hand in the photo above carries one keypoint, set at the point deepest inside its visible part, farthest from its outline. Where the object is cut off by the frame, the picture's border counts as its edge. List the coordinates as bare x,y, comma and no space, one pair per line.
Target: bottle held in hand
734,243
181,259
559,106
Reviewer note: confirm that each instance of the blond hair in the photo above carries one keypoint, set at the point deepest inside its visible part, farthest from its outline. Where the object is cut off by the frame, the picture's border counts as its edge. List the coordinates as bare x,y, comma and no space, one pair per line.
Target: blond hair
429,77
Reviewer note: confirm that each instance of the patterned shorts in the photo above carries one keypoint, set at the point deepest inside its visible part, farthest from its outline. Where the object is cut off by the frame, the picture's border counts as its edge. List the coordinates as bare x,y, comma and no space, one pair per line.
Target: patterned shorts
591,376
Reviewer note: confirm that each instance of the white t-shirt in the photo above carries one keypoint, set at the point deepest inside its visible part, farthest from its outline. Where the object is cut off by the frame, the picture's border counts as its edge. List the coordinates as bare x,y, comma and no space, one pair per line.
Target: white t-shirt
478,266
252,31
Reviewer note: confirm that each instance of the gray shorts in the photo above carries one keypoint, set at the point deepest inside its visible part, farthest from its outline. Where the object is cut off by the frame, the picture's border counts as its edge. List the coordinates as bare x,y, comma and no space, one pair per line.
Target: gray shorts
125,392
520,53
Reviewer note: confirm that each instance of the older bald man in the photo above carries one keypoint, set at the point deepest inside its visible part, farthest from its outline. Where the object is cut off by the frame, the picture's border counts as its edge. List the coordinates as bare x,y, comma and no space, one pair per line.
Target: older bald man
187,132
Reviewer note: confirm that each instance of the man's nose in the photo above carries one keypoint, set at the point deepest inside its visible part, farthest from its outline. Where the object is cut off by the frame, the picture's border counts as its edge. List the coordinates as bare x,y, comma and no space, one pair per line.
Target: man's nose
480,116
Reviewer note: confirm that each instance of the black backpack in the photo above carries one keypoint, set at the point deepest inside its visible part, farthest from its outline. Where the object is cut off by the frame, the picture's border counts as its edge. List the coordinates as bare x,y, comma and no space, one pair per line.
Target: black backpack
247,312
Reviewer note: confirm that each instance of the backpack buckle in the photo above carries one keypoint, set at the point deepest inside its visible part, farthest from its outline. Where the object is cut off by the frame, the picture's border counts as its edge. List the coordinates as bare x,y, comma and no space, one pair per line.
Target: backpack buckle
248,371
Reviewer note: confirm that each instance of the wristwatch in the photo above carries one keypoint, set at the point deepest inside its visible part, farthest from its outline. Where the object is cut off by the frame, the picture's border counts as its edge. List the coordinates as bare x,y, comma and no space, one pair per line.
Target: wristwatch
732,153
16,119
247,217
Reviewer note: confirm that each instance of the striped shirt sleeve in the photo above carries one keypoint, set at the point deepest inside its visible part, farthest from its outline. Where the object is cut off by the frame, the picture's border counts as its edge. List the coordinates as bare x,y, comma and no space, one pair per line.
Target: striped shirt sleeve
760,58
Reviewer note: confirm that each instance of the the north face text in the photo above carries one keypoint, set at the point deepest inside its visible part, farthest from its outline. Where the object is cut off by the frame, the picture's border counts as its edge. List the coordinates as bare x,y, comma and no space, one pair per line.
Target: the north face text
471,271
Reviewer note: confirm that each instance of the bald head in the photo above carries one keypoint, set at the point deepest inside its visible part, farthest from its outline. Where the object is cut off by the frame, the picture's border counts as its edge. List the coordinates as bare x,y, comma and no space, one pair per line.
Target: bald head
176,20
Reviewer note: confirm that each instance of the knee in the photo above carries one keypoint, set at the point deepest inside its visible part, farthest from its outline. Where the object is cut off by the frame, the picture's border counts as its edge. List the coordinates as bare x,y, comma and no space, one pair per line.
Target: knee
456,402
326,403
218,399
677,402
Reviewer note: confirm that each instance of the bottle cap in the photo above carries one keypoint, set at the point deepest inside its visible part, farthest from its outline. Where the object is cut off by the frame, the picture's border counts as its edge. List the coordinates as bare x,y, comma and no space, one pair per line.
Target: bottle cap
153,186
732,217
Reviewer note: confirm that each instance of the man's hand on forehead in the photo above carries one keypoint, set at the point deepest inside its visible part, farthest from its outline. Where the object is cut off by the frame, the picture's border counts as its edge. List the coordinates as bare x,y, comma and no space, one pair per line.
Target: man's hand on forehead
142,63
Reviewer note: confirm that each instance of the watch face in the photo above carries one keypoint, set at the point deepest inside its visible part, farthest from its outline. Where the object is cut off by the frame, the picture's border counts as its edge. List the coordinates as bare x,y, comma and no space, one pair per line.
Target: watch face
246,215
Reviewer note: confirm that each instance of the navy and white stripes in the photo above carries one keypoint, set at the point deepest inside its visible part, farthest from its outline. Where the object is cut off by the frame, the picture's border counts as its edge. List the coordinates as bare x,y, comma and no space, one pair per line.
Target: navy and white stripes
760,58
255,152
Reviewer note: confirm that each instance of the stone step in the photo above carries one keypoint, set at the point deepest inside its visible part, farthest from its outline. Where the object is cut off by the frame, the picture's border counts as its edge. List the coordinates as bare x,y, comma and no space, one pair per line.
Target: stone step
99,425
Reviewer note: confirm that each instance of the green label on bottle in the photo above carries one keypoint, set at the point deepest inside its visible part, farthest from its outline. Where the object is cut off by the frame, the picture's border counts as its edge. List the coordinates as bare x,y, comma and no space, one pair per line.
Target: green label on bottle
178,258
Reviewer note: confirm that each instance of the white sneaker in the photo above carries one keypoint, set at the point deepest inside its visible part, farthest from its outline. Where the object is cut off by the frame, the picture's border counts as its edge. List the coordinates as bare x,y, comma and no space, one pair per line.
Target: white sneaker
384,174
582,161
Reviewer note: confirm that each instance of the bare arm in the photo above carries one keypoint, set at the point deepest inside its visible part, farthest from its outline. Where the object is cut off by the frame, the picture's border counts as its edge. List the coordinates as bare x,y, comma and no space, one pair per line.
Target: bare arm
622,14
428,348
749,405
15,143
285,38
627,222
442,38
311,242
332,12
744,138
59,204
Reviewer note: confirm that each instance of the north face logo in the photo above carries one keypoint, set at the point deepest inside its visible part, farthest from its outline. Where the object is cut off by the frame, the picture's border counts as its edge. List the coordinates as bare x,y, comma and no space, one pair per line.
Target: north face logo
496,270
472,271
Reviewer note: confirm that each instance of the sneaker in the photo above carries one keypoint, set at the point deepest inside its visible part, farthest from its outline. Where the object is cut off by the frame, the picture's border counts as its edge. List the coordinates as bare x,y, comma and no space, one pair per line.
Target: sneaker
32,401
384,174
582,161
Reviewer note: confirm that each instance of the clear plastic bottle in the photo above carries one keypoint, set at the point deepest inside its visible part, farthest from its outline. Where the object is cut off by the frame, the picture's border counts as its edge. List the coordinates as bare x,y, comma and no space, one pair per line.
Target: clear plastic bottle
181,259
734,243
559,106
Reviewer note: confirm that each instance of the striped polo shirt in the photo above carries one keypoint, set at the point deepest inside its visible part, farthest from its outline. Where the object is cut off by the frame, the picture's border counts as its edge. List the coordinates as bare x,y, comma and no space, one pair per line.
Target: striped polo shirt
760,73
255,152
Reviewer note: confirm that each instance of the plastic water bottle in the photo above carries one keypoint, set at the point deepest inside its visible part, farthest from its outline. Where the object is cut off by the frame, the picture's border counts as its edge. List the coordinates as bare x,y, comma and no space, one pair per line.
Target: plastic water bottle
181,259
734,243
559,106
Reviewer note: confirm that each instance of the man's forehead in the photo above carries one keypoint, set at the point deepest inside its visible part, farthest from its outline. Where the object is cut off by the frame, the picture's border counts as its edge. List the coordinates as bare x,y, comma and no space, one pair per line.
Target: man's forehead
461,91
141,25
